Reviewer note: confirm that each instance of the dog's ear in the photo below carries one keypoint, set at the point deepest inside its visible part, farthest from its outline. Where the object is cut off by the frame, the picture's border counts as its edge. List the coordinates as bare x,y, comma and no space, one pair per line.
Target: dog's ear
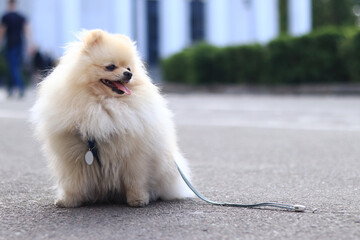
92,38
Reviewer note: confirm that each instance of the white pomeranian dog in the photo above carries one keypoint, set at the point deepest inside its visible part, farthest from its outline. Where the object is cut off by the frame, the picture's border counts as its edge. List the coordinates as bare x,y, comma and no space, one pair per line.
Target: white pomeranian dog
106,130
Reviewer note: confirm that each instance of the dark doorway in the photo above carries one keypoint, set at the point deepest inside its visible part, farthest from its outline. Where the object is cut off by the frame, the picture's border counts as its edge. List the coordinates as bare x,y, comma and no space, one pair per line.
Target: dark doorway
197,20
152,9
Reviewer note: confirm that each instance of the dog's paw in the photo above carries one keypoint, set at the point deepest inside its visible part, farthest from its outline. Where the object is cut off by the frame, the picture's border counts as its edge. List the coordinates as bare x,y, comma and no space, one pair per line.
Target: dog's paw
138,203
139,200
66,203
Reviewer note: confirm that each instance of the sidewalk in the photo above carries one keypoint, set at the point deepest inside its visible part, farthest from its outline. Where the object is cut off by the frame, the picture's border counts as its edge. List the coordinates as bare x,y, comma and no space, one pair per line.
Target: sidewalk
241,148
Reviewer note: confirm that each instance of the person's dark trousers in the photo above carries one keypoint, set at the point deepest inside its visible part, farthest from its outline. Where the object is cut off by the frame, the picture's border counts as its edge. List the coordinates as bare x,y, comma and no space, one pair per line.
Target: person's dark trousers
14,57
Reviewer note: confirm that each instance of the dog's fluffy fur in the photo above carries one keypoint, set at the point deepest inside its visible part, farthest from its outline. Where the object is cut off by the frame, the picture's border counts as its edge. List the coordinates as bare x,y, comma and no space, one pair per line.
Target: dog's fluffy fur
134,133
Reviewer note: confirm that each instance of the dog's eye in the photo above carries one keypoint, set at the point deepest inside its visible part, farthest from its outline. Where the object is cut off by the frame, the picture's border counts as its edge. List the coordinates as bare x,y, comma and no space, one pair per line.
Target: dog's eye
110,67
128,69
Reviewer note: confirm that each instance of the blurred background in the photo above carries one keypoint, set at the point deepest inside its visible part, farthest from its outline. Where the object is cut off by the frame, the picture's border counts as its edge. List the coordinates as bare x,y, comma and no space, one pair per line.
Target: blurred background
254,42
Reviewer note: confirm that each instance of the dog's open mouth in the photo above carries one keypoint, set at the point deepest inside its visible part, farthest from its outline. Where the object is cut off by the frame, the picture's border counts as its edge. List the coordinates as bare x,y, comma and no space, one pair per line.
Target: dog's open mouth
117,86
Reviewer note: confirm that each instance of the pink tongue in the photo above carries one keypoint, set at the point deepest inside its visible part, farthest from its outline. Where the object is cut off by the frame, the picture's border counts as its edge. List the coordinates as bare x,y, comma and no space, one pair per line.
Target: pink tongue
122,87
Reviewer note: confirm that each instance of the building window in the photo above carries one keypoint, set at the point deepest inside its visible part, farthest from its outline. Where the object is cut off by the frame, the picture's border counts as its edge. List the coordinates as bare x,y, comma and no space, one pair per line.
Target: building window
197,20
152,9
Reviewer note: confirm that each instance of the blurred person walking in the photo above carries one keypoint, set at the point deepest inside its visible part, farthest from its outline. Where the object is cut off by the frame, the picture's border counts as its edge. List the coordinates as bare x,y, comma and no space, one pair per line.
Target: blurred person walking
13,27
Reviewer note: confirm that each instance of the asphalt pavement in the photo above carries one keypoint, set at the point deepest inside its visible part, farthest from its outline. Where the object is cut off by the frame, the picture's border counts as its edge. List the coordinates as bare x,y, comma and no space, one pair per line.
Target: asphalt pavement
241,148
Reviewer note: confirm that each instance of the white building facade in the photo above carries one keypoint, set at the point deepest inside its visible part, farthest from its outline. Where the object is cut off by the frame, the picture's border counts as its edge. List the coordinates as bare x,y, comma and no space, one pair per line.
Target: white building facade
162,27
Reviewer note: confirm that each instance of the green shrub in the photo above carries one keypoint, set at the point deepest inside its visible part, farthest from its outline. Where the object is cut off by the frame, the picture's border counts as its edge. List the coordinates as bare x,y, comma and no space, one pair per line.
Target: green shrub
243,64
176,68
325,56
350,55
333,12
194,65
4,72
205,66
280,57
5,77
313,58
329,66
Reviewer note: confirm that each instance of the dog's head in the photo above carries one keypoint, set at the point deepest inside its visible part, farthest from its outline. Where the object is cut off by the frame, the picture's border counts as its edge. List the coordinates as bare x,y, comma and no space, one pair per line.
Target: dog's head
110,63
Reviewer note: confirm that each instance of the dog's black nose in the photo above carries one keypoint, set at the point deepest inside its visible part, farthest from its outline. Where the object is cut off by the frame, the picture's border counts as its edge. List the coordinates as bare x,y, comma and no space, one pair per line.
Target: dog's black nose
127,75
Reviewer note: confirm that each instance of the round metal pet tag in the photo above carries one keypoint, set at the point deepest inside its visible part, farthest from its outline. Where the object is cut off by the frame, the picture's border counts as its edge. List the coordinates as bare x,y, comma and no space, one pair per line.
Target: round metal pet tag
89,157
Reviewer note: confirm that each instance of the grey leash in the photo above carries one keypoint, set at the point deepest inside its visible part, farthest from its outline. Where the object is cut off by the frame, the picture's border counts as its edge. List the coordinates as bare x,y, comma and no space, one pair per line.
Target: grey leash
296,208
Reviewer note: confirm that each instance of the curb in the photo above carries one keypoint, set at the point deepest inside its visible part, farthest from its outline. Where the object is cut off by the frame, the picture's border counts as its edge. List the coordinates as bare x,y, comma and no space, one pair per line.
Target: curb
333,89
